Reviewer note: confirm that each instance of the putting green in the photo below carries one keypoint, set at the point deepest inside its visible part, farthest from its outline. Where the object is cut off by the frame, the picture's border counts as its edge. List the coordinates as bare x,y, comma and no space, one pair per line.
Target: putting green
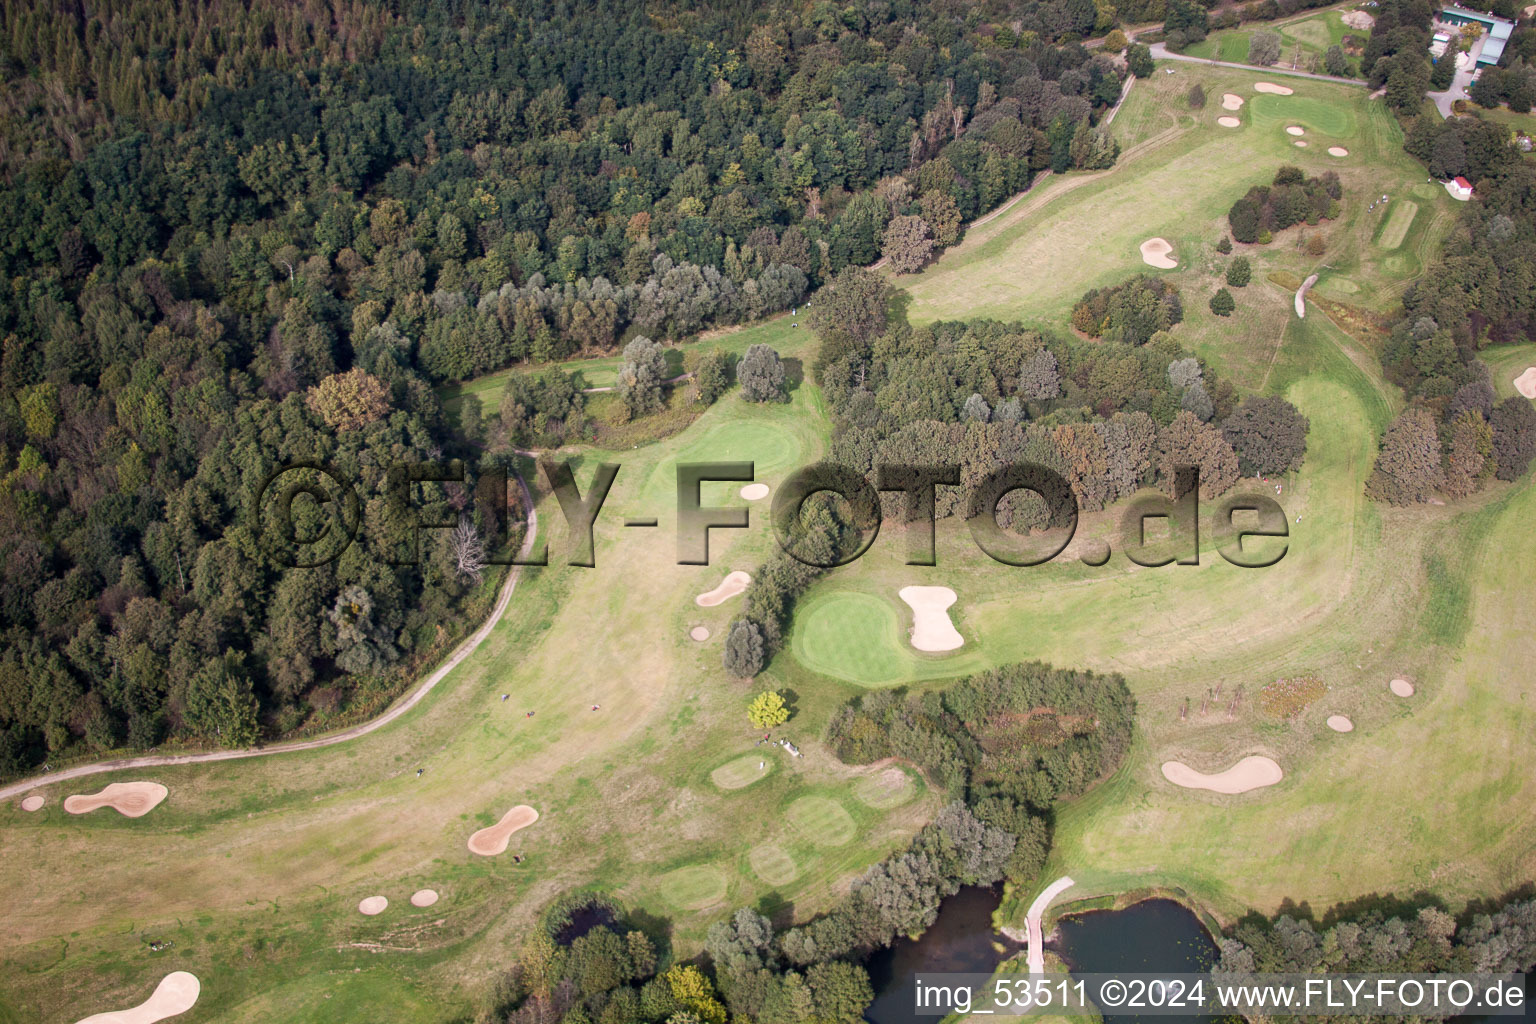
852,636
821,820
1335,119
1398,221
889,788
774,866
742,772
693,887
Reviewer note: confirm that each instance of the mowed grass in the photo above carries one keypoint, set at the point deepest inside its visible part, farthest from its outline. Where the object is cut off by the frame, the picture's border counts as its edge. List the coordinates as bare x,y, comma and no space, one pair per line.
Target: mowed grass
821,820
889,788
1312,33
1177,178
743,771
1398,220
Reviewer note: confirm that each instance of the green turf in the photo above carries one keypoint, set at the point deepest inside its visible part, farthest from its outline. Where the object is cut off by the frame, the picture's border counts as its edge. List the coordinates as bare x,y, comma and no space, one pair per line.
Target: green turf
773,865
891,787
692,888
1396,223
743,771
821,820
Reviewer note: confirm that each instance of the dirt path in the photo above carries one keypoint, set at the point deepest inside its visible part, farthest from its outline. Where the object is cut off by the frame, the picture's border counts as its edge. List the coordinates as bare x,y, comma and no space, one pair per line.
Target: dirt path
464,650
1036,911
1161,52
614,387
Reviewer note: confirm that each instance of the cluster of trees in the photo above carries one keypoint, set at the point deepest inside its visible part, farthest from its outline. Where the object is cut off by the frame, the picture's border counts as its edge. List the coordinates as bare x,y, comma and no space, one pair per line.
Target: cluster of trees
585,962
1467,146
1387,939
1514,85
1397,55
461,337
1130,312
1456,436
1292,198
1006,740
1109,416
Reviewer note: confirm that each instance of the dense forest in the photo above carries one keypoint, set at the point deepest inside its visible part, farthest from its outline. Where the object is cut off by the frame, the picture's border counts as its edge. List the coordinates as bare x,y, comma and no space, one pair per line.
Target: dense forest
1383,936
238,235
1455,436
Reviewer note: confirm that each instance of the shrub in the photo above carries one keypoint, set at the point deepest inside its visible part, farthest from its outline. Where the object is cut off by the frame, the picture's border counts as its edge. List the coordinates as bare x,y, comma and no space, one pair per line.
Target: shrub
1222,303
1224,246
1239,273
744,652
1196,97
767,710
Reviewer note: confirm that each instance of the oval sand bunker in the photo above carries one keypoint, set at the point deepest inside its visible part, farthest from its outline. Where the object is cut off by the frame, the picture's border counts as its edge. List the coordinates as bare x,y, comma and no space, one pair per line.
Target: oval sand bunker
1300,143
699,633
1338,723
1526,382
488,842
373,905
1295,129
1252,772
130,799
1229,122
33,803
1231,101
1272,88
1401,687
1337,151
176,993
423,897
931,629
755,492
1154,253
733,584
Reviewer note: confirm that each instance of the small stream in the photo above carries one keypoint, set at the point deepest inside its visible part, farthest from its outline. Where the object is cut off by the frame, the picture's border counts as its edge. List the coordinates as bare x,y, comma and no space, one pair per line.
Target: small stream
1155,935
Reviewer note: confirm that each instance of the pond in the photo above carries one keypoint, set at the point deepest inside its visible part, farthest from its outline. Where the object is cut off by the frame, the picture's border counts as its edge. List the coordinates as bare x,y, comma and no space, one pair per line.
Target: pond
1155,935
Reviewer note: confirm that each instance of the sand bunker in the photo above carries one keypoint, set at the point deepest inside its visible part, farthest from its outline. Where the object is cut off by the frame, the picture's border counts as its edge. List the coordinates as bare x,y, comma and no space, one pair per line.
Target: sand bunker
423,897
1229,122
373,905
1295,129
755,492
733,584
1526,382
176,993
488,842
33,803
1401,687
1338,723
1300,143
1154,253
1271,87
1231,101
131,799
699,633
1337,151
1252,772
931,628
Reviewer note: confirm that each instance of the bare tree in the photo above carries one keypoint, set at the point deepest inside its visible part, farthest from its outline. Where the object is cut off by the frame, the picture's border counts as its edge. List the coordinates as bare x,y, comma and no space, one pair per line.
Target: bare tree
468,550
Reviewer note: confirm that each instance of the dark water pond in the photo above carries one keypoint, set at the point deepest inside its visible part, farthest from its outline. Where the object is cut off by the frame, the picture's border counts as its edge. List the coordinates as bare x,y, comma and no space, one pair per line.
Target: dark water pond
1156,935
